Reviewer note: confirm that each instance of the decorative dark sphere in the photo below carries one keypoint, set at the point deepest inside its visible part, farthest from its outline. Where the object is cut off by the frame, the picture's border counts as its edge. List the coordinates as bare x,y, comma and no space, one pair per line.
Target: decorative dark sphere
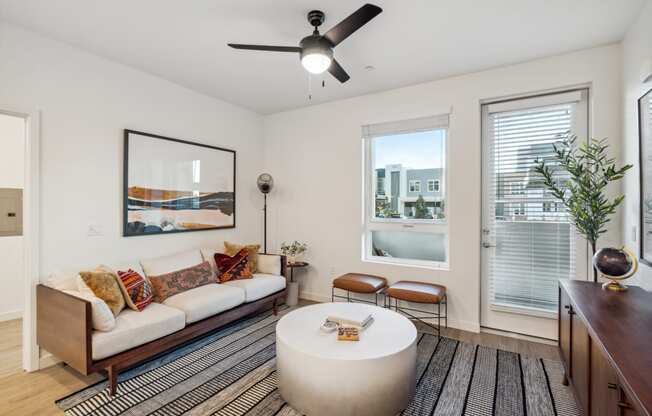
265,183
613,262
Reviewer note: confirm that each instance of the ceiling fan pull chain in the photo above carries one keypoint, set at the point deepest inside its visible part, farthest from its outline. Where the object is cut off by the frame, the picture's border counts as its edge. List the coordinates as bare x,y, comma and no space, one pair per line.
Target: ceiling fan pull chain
309,86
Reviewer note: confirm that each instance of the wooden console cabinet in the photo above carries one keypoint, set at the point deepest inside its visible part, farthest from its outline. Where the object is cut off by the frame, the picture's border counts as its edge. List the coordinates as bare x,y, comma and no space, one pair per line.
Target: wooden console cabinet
605,341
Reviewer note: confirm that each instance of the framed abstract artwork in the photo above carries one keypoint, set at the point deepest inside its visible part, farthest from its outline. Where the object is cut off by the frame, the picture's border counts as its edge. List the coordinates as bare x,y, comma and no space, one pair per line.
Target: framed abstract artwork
173,185
645,149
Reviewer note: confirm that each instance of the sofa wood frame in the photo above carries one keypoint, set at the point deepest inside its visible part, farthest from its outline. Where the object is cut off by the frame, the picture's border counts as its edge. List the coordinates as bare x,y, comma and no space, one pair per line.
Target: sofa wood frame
64,328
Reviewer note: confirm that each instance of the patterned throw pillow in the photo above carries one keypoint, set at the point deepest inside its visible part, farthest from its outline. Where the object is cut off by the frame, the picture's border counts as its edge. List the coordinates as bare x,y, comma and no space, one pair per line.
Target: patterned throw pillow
233,268
170,284
231,249
105,286
136,289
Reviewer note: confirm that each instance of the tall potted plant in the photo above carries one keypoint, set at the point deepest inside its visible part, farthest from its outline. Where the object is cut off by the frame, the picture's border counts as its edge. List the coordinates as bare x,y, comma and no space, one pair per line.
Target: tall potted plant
579,176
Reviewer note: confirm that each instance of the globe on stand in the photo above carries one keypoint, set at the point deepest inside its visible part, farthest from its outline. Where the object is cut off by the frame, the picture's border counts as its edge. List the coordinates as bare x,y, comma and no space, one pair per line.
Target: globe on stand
615,265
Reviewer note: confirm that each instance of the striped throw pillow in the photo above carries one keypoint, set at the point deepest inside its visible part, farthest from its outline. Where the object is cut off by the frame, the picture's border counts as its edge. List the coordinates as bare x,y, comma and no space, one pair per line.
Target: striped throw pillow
136,289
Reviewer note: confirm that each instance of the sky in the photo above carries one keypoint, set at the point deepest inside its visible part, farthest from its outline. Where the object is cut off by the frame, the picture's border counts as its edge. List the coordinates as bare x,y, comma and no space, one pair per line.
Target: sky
421,150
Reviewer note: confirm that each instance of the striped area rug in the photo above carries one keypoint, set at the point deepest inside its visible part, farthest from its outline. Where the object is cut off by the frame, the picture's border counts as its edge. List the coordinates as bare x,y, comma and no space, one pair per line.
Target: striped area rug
232,373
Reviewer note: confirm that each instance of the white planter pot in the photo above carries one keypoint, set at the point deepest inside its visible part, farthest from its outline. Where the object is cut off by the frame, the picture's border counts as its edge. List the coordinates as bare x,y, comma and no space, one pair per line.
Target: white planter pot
292,294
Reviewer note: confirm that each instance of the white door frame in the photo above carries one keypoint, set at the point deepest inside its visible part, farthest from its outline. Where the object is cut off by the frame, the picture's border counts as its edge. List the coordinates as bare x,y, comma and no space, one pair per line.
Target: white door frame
31,230
582,246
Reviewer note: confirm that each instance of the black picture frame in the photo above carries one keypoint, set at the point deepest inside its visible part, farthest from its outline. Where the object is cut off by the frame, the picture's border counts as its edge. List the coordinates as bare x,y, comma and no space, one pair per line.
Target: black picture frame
643,152
128,231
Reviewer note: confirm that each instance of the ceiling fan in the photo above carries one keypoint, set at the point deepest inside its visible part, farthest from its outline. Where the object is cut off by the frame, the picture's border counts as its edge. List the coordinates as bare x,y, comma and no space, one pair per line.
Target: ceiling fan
316,50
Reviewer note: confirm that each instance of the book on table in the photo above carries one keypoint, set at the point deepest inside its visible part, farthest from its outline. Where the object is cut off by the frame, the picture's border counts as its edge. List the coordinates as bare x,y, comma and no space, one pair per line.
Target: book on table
360,320
348,333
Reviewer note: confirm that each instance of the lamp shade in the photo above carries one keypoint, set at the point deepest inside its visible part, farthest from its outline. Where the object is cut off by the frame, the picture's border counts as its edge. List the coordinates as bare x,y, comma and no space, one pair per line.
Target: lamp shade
265,183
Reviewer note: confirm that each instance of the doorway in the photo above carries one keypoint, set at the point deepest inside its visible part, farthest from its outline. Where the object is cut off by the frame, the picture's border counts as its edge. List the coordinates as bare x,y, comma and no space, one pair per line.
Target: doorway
528,240
13,131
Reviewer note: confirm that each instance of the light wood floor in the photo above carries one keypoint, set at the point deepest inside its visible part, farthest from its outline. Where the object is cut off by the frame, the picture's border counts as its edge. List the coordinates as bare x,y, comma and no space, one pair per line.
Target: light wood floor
34,393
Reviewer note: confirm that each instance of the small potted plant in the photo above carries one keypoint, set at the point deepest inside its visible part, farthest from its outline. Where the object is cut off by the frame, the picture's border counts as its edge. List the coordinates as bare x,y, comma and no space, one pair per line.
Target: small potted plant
293,251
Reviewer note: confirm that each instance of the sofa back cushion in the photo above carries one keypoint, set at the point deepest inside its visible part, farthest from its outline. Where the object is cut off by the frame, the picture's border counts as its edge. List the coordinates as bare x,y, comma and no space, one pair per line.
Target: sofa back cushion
171,263
233,267
63,280
208,254
169,284
269,264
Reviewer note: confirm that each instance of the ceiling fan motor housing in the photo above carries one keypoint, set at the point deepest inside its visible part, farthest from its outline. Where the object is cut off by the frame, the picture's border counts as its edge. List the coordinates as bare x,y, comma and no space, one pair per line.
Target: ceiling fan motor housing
316,44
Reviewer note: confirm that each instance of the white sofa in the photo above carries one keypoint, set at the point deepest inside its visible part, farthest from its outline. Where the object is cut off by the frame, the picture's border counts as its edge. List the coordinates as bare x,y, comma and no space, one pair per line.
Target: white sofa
202,307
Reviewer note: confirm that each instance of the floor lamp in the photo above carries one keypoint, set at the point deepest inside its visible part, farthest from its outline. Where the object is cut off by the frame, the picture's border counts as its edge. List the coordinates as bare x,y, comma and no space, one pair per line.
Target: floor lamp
265,184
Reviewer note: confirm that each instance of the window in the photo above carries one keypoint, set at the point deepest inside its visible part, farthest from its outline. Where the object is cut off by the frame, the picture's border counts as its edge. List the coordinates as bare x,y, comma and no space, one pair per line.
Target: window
402,223
433,185
531,238
415,186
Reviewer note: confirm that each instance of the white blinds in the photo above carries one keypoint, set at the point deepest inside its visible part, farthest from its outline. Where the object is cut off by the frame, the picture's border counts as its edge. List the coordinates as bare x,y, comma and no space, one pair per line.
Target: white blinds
534,240
405,126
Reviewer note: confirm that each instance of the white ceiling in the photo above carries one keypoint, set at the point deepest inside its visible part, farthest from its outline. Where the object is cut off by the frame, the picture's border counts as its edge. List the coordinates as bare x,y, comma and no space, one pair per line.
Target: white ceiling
412,41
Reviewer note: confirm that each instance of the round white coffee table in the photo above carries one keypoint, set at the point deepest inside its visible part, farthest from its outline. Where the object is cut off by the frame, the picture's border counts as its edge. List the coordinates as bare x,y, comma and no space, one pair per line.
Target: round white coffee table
319,375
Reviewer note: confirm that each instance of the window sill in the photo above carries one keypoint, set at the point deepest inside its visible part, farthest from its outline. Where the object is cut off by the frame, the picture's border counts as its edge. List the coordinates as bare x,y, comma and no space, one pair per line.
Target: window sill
408,221
408,263
522,310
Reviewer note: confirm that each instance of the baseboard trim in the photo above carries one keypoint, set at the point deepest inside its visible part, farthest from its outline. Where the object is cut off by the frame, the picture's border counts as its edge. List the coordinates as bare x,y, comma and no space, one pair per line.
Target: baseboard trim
48,360
10,316
516,335
468,326
315,297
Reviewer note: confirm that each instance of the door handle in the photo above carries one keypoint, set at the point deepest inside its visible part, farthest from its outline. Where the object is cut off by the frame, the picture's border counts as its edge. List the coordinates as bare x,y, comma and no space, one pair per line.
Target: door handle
612,386
487,245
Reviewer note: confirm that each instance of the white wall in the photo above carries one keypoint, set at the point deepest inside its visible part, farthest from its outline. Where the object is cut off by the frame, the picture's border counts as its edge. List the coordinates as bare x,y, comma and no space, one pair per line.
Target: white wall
637,48
12,162
315,156
12,143
85,103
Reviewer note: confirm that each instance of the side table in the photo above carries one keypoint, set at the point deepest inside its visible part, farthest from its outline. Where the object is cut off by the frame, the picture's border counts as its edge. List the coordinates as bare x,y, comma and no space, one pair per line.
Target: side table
293,287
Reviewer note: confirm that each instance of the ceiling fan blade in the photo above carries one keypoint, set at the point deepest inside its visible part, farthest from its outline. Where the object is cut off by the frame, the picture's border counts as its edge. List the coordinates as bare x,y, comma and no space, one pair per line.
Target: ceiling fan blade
355,21
265,48
338,72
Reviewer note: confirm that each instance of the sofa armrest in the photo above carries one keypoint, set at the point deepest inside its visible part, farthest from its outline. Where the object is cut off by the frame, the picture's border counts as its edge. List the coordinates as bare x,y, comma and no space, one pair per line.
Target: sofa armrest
284,266
64,327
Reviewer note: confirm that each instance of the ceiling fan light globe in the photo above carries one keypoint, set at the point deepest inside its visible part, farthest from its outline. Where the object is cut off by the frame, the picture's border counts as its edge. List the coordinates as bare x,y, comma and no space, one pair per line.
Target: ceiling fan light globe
316,63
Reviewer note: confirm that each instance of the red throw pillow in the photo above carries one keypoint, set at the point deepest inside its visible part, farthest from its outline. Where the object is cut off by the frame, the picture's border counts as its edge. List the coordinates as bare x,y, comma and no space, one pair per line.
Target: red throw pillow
136,289
233,268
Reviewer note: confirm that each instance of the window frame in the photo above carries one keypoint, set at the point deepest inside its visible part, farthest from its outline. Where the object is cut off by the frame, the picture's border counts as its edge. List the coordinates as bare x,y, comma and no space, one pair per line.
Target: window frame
372,223
414,183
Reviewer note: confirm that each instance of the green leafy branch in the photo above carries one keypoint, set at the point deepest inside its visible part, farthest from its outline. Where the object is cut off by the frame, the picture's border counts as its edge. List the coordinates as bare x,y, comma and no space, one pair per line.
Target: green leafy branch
578,176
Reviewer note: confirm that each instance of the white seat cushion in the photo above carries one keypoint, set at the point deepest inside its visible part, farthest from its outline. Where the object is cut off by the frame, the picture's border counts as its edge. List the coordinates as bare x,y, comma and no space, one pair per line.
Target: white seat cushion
204,301
133,328
171,263
260,286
